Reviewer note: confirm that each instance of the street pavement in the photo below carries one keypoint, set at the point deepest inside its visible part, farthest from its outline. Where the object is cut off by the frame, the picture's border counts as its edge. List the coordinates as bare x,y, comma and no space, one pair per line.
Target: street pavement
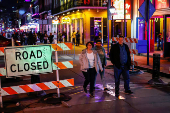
145,99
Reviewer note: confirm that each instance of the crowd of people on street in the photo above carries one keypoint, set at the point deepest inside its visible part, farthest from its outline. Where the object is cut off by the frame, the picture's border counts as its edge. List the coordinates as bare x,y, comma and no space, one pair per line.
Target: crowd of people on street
30,38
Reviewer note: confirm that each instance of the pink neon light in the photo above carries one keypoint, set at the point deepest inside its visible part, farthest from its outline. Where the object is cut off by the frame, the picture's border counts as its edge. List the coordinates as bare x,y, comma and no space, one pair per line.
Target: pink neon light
161,4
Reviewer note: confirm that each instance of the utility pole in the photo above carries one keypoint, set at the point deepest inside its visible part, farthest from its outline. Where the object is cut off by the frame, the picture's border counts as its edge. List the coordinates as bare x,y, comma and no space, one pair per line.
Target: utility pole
108,18
147,18
124,18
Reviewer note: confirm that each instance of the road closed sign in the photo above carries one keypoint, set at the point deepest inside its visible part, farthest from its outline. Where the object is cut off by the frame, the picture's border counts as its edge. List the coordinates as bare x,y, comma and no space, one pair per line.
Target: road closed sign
28,60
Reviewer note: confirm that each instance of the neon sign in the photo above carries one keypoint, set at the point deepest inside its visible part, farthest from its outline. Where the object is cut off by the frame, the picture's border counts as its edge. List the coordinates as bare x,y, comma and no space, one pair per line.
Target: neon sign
55,21
119,9
161,4
65,20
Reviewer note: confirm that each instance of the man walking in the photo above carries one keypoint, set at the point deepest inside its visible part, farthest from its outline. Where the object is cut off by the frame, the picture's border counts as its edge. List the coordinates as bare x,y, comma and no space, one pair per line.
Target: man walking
120,58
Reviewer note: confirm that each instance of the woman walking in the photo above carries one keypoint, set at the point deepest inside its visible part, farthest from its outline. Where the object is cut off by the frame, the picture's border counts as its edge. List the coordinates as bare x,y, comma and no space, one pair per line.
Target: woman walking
90,65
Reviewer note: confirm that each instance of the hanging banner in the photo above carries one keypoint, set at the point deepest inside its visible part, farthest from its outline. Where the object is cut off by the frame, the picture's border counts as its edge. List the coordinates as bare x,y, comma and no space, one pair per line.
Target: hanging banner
28,60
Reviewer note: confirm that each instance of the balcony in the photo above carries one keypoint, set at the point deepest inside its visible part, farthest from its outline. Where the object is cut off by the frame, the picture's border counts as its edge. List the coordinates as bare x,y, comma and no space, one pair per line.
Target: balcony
48,7
78,3
45,8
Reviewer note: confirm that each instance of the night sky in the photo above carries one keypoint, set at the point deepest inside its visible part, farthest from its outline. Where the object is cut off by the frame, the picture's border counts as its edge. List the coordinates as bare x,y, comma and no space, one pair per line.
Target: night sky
8,4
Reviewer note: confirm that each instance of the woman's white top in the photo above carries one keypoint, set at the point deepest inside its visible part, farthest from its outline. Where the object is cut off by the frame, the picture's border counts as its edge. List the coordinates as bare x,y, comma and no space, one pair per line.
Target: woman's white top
90,57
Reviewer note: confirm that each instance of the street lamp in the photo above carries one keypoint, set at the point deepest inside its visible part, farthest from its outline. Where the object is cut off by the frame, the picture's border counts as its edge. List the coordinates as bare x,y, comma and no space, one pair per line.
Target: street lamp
112,8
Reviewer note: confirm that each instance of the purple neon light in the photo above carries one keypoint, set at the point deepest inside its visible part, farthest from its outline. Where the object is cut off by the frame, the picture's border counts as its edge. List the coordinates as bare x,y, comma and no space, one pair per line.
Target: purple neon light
27,0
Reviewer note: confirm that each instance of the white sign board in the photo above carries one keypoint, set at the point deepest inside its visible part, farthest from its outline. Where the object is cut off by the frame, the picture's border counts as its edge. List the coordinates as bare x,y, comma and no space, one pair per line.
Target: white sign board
28,60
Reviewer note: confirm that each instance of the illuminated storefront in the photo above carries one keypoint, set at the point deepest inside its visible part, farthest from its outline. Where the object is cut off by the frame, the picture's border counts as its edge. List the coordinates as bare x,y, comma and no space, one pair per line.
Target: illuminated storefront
30,27
87,21
159,28
118,17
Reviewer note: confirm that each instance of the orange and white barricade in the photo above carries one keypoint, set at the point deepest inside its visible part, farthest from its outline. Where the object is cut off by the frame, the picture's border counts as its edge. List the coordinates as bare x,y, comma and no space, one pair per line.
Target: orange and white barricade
23,61
36,87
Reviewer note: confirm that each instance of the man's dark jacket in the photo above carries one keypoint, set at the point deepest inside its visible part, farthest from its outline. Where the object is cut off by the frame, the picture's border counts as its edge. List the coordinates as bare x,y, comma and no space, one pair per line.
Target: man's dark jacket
115,55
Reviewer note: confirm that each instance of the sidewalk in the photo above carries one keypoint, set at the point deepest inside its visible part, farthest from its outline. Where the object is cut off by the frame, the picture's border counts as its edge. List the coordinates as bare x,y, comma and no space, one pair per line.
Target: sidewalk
142,63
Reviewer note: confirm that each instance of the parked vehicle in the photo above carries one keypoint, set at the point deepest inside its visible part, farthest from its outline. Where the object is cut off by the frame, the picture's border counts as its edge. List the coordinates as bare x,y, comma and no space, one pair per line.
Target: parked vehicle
7,42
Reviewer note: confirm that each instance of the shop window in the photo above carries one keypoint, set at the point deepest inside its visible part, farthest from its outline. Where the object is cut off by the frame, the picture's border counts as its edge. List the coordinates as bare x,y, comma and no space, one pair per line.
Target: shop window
97,27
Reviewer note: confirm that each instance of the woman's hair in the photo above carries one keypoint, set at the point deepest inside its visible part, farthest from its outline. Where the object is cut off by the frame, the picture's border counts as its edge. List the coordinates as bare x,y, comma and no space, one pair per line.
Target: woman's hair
90,43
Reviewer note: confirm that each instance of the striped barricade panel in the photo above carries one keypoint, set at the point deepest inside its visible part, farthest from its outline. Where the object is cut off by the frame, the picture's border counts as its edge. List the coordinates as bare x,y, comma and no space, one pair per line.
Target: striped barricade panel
55,47
56,66
2,72
36,87
135,63
62,65
133,51
61,46
131,40
2,51
115,38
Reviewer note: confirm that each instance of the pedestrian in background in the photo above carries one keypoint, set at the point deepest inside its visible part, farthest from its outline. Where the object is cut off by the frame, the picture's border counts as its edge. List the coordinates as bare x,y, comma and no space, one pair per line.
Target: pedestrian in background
77,38
90,65
120,58
51,38
30,38
41,37
73,37
45,37
101,52
34,38
59,37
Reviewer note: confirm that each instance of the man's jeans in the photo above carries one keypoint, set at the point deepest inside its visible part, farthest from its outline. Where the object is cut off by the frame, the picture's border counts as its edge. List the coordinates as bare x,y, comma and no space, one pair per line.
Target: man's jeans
125,73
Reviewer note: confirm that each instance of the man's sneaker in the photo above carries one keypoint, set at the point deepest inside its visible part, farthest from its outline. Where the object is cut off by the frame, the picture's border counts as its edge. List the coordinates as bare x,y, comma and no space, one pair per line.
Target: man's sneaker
106,89
85,90
91,95
128,92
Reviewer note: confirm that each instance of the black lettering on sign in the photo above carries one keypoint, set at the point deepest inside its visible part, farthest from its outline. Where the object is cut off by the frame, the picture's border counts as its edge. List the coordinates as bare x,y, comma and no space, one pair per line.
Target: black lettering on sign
33,65
45,64
25,54
11,68
38,66
17,54
39,53
32,54
18,68
28,67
